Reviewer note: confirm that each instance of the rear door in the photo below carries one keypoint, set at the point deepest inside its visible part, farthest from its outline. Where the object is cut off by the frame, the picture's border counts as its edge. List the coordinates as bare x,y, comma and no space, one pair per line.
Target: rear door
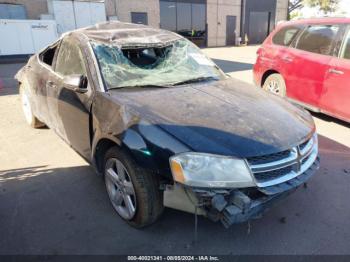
40,70
310,62
278,56
71,110
336,92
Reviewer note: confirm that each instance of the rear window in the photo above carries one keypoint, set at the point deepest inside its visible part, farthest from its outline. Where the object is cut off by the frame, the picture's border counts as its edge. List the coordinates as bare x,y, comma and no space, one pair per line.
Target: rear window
318,39
286,35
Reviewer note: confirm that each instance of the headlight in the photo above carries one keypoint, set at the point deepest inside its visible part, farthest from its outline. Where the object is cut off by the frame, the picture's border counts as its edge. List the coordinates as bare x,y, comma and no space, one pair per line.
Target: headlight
205,170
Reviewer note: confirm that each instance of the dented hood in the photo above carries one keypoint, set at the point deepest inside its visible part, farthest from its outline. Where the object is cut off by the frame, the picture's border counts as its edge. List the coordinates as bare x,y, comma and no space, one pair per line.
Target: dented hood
222,117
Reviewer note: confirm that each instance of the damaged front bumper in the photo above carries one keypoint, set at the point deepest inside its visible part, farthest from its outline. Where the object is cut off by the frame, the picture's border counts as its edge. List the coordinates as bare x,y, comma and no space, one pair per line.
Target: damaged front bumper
235,205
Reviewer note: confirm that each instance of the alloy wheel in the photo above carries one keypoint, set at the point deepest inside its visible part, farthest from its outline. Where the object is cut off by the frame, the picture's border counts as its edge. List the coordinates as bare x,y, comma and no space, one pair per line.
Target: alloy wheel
120,188
274,87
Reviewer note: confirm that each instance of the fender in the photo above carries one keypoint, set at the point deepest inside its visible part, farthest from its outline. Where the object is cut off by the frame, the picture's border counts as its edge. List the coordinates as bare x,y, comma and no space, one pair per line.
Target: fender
149,145
19,76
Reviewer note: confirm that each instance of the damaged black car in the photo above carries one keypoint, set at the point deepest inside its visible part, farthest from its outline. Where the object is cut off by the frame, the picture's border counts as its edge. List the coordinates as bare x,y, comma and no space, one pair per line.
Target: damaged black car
165,126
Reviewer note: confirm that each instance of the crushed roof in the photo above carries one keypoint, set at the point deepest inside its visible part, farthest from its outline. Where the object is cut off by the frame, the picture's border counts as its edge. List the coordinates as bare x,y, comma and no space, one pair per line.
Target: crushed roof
128,34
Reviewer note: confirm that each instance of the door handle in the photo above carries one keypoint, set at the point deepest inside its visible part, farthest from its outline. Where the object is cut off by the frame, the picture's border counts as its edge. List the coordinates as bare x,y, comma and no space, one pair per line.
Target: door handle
287,59
50,84
334,71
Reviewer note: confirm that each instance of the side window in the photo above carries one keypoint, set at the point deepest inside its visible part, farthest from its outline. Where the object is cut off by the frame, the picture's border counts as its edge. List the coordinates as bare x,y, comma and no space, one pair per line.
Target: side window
318,39
48,55
70,59
345,50
285,36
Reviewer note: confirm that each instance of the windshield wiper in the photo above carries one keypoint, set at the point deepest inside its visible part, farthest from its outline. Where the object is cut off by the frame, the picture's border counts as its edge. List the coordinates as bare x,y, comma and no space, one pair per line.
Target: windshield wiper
142,86
196,80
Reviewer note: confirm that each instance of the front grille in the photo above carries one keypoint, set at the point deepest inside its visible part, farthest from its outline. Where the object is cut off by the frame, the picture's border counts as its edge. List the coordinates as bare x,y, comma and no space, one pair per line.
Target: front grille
305,160
303,145
280,167
257,160
266,176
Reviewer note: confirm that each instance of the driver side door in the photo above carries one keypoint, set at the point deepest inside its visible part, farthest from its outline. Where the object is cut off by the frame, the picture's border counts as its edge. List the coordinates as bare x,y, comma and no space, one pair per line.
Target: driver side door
69,109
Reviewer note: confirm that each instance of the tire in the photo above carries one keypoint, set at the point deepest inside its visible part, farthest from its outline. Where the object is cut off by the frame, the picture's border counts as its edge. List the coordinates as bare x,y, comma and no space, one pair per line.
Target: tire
275,84
27,109
145,195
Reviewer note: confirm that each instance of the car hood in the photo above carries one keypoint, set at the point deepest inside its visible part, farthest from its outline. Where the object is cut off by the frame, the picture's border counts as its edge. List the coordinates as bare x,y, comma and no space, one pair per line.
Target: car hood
226,117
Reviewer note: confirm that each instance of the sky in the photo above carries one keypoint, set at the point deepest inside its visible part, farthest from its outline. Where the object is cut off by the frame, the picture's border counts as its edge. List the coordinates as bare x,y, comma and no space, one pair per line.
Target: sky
343,10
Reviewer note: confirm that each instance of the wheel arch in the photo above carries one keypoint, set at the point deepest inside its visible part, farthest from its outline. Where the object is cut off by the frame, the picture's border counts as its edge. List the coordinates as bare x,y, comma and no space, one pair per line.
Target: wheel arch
101,148
148,145
99,151
130,142
267,74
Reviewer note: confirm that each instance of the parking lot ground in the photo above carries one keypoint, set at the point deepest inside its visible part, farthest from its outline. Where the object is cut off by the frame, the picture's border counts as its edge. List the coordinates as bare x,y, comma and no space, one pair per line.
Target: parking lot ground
51,202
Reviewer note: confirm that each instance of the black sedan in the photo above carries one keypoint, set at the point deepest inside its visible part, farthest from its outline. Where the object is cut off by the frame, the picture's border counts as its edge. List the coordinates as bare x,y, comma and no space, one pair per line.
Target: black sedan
165,126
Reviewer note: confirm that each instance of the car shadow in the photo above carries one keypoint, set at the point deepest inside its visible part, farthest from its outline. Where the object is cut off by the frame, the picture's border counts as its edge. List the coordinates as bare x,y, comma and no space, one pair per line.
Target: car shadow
328,118
8,69
66,211
8,91
231,66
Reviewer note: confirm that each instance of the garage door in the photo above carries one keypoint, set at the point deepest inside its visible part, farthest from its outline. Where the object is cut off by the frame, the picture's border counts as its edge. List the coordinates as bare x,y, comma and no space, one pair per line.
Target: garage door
258,27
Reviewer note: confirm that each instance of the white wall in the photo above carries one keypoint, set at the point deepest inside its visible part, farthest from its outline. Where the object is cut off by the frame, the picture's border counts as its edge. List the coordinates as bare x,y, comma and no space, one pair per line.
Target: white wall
70,15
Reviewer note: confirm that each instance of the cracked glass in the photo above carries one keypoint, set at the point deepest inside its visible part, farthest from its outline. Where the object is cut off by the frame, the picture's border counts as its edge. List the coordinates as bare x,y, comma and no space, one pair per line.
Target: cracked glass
162,66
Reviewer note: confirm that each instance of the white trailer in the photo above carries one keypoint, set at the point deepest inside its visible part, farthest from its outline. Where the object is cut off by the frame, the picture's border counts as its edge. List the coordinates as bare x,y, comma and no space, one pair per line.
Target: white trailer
70,15
22,37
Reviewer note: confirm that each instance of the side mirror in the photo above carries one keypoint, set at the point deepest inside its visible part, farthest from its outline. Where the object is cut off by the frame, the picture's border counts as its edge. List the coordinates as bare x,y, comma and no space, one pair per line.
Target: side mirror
77,83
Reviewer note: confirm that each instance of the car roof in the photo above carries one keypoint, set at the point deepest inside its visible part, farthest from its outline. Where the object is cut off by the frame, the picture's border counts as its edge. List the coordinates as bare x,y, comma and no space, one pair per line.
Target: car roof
322,20
127,34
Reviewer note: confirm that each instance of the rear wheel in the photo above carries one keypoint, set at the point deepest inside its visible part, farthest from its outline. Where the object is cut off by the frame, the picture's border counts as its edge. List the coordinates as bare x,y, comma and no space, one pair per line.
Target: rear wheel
275,84
133,192
27,109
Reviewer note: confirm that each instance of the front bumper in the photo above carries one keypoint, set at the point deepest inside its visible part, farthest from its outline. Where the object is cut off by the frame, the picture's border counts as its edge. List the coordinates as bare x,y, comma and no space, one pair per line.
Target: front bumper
241,205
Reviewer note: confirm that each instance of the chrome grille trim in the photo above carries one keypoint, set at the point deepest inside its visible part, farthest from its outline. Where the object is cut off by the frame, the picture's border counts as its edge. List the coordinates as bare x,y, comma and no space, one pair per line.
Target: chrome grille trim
307,147
307,152
268,158
276,164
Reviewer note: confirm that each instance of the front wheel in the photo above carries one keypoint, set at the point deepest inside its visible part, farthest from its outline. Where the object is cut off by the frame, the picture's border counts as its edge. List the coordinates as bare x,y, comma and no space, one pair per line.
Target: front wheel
27,108
133,192
275,84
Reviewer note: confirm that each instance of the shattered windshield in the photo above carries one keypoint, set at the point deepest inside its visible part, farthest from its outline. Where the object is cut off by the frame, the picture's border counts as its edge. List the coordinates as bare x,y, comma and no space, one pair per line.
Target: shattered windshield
179,62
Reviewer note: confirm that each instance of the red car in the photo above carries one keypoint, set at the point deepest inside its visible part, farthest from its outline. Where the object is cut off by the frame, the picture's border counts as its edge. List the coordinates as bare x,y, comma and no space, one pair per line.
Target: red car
308,61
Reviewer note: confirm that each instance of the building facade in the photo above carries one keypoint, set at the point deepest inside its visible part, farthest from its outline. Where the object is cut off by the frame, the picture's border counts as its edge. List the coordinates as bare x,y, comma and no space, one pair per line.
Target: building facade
205,22
32,9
